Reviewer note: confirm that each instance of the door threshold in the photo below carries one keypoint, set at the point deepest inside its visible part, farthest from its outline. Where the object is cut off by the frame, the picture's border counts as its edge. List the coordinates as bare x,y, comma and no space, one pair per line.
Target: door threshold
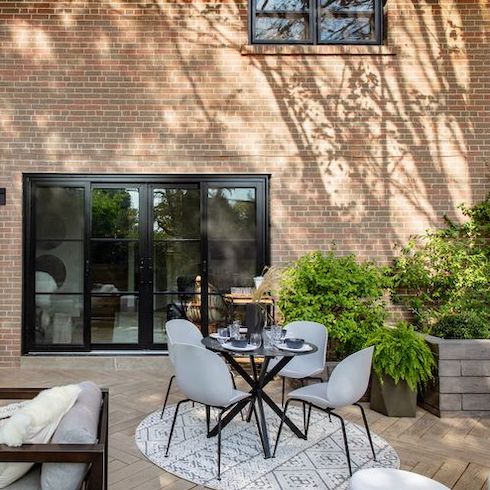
104,353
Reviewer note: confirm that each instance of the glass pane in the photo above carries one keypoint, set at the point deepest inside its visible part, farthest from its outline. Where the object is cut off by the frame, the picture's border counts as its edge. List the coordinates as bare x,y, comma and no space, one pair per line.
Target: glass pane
176,213
174,263
59,319
114,319
115,266
232,233
294,5
166,307
59,215
61,269
231,213
281,27
115,213
353,21
232,263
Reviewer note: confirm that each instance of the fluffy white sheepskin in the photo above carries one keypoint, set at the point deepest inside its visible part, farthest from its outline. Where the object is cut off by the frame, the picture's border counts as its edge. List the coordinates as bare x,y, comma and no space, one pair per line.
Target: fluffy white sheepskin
35,422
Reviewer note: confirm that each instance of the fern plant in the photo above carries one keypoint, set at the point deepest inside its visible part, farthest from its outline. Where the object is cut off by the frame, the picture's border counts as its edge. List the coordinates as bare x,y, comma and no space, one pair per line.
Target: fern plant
403,355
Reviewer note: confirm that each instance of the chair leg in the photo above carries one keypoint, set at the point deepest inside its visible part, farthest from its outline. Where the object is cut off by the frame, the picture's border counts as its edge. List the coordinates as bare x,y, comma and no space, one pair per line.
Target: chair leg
280,428
219,444
208,418
364,418
166,396
173,424
307,428
283,391
344,433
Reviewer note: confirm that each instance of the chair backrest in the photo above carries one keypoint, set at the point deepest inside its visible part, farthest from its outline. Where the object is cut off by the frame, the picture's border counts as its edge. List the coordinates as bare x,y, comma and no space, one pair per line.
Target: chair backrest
313,332
202,375
349,380
182,331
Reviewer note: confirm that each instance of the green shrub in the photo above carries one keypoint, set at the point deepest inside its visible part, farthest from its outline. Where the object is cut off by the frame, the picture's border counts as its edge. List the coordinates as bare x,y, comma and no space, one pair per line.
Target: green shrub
341,293
467,325
403,355
447,272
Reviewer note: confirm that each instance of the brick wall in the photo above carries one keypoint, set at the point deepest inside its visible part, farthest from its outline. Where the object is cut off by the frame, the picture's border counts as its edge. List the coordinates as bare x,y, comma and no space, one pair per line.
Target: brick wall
365,146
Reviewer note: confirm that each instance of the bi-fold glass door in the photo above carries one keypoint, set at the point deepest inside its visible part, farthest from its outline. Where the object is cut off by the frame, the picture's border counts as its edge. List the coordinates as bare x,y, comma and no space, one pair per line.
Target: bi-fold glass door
110,259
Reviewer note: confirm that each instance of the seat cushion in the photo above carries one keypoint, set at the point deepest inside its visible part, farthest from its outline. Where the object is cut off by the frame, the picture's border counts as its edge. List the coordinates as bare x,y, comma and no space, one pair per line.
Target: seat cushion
80,426
31,481
34,422
389,479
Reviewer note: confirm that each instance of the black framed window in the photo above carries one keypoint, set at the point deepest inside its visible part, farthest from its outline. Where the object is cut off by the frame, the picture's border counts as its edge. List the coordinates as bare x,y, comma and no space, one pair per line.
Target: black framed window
316,21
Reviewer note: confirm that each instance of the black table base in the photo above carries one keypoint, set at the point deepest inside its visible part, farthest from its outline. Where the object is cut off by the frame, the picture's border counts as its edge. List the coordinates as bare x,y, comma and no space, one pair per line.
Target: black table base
257,382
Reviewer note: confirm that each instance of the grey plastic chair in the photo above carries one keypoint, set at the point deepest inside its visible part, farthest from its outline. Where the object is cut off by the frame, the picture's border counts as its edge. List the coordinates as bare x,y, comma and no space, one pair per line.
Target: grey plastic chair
204,378
184,332
346,386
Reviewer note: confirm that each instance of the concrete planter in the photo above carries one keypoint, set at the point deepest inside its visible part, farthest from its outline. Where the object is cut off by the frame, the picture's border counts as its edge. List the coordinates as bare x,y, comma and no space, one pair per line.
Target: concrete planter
462,385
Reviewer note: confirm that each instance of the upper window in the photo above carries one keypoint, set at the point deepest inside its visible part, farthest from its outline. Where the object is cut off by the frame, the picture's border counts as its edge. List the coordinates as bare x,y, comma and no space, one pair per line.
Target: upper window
317,21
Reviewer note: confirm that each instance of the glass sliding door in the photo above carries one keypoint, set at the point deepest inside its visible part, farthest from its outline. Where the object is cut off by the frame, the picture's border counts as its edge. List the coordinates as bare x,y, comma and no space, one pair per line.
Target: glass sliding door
58,265
115,265
235,251
176,252
110,259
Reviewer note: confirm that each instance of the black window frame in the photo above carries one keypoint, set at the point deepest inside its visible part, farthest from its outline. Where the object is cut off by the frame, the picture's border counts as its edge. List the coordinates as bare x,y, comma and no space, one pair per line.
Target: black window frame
313,14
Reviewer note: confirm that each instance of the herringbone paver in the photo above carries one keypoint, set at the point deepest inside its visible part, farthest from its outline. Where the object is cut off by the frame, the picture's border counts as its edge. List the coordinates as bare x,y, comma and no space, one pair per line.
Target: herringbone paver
455,452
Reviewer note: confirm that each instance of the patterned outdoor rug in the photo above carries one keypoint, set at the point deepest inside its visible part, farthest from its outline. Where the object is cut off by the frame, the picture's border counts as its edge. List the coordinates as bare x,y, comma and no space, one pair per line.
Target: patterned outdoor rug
318,463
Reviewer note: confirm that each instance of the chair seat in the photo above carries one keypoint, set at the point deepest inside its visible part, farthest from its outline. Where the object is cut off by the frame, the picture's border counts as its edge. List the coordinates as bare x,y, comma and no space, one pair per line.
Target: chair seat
315,394
390,479
236,396
299,374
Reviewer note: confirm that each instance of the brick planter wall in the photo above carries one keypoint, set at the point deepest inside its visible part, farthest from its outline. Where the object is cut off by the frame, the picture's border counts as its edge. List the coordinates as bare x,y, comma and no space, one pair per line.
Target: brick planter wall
463,384
365,145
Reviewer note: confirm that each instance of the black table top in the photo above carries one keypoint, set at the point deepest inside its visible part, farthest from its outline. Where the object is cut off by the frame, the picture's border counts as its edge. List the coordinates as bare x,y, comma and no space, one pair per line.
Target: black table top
212,344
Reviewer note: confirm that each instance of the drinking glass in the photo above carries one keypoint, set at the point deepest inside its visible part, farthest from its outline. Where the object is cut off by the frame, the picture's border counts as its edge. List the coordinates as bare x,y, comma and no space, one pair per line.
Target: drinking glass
222,335
256,339
276,332
234,329
266,337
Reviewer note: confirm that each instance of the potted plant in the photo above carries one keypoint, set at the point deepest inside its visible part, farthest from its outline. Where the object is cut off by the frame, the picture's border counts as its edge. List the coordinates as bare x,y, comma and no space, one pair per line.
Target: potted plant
402,362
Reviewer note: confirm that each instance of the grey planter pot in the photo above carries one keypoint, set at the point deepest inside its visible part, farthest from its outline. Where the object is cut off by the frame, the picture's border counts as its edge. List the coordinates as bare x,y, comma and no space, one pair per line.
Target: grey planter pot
394,400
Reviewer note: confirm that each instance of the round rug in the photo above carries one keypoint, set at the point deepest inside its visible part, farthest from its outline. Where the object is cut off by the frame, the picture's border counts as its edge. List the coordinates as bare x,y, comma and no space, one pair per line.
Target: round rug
319,462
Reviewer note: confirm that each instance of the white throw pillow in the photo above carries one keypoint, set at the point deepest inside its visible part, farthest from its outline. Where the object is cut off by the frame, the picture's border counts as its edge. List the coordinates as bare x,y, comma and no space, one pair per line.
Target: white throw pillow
34,423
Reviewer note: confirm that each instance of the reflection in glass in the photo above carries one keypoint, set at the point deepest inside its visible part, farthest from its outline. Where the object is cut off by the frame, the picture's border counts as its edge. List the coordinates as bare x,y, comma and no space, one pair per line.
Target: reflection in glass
114,319
232,232
62,265
115,213
176,213
166,307
282,27
115,266
274,5
347,21
231,213
59,319
174,261
59,215
232,263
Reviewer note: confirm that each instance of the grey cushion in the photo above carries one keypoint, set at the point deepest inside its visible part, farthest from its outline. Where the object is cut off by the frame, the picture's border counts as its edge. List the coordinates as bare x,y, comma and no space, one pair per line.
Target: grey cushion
79,425
30,481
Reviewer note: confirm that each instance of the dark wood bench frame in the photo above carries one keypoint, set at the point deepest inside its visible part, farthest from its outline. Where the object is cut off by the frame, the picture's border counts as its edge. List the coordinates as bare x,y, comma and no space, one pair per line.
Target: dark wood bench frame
93,454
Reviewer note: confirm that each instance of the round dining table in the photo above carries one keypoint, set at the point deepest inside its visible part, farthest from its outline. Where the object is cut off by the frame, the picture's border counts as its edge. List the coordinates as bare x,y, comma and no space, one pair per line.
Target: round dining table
257,382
